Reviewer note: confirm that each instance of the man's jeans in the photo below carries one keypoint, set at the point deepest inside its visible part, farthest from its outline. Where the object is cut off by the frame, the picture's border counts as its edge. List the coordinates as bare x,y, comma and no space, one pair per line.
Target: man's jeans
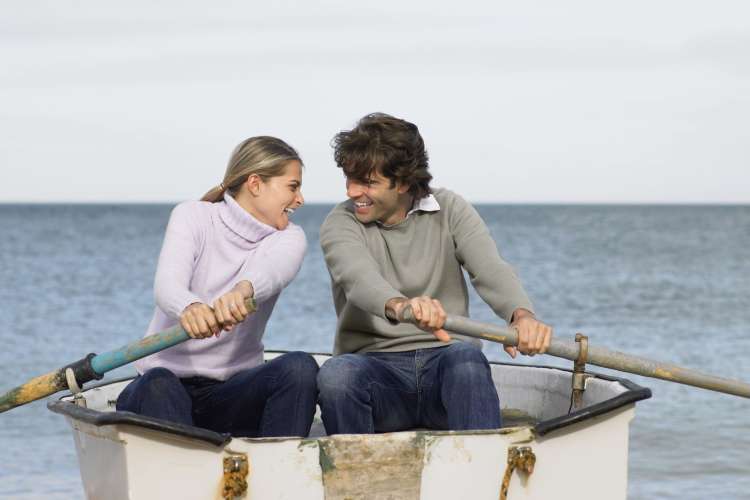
447,388
273,399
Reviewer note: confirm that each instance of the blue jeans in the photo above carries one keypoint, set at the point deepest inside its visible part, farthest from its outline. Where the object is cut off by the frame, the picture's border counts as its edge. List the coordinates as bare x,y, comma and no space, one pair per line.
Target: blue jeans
273,399
447,388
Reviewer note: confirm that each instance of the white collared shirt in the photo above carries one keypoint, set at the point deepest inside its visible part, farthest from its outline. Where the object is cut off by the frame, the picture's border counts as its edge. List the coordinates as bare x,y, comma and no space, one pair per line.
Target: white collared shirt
426,204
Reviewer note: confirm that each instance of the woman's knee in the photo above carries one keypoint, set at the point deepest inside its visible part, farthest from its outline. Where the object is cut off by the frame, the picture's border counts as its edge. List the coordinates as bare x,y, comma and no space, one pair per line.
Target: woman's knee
158,373
300,365
155,384
157,380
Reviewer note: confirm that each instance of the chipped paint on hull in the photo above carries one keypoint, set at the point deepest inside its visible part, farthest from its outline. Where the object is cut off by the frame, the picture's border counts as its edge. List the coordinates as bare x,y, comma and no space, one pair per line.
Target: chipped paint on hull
382,467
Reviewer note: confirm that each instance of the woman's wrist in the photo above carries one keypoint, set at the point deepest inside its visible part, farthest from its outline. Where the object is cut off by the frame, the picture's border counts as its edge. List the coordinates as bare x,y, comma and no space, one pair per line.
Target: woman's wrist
245,288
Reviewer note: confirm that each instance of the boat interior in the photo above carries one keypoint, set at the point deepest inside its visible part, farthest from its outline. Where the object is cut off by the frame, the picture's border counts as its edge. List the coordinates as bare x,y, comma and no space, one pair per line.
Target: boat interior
539,397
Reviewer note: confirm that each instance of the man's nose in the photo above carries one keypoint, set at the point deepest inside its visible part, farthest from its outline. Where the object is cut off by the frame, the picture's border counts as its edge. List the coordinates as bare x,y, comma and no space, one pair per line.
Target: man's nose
354,189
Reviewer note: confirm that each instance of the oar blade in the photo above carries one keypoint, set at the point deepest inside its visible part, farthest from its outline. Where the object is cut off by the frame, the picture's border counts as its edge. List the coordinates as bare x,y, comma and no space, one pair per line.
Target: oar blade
37,388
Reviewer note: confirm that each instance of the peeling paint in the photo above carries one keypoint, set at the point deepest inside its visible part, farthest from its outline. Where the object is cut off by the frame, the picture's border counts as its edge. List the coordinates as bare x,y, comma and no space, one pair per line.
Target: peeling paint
34,389
307,443
375,467
513,417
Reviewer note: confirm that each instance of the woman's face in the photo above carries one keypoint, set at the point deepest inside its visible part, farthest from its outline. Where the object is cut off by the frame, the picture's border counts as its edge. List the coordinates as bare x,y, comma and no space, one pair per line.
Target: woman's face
278,197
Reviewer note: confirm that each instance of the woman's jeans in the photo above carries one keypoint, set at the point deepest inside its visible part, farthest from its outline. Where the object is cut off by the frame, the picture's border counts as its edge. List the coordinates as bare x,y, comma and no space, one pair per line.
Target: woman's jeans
446,388
273,399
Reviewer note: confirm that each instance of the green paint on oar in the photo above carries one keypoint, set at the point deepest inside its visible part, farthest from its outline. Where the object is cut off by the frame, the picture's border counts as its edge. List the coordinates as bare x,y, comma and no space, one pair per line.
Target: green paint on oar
93,366
599,356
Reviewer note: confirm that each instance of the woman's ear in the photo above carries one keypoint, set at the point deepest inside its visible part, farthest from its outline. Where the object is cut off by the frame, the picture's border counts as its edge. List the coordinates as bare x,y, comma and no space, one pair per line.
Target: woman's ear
252,184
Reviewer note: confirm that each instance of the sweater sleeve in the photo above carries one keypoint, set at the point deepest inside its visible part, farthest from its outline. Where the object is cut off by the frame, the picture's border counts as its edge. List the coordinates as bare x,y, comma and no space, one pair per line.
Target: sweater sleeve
492,277
179,253
351,265
276,262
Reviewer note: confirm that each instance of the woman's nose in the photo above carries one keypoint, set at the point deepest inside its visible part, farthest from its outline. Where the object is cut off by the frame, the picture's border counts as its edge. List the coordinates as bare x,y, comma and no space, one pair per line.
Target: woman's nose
300,199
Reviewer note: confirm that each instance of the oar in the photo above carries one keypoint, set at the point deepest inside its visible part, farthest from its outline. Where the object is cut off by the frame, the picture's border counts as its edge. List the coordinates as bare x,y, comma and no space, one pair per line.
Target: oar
599,356
94,366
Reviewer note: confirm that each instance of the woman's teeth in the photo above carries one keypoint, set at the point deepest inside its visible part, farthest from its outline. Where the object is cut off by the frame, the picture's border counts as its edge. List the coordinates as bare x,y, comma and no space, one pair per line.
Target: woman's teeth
289,211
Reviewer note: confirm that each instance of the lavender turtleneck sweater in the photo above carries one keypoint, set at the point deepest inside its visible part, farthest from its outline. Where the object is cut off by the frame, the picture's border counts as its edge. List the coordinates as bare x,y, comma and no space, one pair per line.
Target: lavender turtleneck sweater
208,248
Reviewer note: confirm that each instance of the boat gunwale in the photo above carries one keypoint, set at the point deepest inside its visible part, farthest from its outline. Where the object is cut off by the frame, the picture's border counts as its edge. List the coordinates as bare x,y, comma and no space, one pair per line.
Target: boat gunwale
98,418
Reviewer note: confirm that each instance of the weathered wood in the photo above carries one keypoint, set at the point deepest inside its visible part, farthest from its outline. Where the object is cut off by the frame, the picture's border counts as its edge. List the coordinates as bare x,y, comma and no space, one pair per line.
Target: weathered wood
34,389
599,356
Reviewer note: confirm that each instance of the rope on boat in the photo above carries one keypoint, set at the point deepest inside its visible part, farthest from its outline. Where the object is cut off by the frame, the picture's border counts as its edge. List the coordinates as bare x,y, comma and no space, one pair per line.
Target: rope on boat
70,377
521,458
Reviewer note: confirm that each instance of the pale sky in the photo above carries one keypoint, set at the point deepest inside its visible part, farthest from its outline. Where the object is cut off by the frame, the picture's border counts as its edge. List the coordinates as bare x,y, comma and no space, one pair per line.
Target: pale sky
540,102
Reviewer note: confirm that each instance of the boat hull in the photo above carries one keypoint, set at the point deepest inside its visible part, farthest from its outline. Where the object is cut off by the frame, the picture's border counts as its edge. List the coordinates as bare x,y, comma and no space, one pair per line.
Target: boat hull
583,456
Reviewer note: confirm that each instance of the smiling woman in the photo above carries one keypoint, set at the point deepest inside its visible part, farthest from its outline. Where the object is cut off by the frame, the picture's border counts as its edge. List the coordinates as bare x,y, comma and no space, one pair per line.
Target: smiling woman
235,244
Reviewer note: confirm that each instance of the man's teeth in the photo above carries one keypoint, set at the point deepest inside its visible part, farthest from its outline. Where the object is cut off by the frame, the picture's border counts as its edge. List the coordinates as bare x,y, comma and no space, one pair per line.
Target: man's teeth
362,204
289,211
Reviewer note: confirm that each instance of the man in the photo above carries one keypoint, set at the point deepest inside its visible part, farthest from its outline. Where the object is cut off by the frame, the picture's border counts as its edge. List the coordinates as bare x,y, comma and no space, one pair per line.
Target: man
394,243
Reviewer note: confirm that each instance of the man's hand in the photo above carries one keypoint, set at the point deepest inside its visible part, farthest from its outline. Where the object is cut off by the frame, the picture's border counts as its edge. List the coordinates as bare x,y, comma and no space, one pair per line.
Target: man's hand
428,312
533,335
230,308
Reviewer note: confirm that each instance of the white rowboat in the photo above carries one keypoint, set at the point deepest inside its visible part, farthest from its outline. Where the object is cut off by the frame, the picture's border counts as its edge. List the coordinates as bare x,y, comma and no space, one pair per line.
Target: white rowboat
580,454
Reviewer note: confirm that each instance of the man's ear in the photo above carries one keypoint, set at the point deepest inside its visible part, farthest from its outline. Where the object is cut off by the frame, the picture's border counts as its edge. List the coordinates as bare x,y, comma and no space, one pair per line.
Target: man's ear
252,184
402,188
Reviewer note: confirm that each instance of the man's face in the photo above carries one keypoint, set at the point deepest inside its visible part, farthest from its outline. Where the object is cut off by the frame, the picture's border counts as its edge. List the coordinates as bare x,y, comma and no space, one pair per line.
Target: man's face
376,200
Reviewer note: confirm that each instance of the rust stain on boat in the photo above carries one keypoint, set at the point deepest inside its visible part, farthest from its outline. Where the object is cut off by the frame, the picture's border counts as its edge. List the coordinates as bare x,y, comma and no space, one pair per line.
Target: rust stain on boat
372,467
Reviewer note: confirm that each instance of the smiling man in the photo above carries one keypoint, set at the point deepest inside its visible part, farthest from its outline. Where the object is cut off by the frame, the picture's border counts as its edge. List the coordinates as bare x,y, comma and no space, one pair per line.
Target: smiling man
397,242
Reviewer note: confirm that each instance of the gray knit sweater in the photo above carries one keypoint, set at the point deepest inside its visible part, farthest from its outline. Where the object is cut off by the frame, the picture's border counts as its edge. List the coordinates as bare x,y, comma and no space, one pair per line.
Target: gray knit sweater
422,255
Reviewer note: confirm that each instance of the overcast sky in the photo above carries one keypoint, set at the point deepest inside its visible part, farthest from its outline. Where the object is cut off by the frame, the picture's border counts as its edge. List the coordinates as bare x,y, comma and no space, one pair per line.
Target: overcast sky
559,101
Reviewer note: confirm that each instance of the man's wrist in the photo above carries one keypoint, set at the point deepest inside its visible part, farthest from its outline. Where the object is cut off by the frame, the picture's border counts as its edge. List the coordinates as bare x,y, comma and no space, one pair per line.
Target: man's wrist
393,307
521,313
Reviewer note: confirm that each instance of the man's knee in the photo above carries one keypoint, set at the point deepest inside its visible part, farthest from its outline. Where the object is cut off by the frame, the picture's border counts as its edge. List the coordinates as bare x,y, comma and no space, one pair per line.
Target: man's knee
463,358
340,374
465,352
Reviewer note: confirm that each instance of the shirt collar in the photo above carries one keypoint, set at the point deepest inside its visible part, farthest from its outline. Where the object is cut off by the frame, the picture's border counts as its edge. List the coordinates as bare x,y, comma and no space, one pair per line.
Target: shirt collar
426,204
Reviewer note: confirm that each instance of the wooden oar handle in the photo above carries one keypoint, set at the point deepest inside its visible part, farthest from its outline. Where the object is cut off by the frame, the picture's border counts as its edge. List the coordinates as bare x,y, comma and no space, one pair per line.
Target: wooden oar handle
465,326
601,356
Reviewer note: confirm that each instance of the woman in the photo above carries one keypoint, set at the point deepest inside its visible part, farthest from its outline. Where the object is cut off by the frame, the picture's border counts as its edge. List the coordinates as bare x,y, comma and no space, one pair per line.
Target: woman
236,243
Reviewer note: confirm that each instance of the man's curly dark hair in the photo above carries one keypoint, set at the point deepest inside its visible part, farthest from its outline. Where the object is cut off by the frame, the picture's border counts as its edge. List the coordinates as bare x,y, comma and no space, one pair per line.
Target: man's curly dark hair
388,145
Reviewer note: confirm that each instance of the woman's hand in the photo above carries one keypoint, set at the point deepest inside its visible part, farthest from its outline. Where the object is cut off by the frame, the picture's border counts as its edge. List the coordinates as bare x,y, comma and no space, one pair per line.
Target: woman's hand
230,308
199,321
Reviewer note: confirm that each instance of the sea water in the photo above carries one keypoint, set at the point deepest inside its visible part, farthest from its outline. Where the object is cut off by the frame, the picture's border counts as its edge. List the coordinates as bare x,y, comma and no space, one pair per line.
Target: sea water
670,283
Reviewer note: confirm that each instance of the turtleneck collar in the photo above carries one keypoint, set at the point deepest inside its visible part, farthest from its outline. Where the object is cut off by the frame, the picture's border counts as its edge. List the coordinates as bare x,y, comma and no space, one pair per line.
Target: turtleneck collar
241,222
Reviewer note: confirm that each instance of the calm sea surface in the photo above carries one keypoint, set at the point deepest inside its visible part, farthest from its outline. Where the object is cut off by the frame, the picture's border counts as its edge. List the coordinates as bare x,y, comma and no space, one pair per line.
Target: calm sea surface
668,282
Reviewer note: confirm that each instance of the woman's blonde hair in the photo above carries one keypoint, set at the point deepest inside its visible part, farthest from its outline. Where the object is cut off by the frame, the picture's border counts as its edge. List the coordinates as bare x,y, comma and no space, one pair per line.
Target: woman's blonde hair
263,156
